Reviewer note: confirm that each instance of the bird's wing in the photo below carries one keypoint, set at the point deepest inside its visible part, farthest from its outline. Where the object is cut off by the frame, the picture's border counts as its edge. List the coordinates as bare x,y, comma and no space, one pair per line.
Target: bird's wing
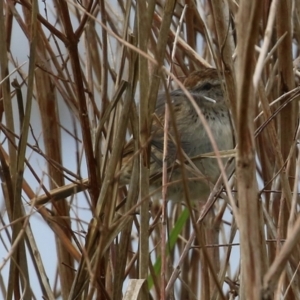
157,130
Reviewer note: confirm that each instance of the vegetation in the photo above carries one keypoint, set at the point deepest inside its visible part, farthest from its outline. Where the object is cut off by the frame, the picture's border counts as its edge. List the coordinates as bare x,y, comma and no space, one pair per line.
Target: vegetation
100,65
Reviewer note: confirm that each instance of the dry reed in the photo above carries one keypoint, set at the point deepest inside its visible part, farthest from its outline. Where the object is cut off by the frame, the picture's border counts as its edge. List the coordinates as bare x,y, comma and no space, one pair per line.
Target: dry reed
100,64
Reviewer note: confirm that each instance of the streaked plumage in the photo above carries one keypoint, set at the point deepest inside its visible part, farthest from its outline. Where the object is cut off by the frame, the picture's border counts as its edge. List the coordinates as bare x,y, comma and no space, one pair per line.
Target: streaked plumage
205,87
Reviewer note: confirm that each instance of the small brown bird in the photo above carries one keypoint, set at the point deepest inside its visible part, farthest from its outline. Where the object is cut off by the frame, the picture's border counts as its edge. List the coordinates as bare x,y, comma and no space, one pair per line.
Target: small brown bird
205,87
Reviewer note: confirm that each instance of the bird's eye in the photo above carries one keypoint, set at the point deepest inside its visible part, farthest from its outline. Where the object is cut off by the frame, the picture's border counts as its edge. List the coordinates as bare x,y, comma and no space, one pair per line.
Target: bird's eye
206,86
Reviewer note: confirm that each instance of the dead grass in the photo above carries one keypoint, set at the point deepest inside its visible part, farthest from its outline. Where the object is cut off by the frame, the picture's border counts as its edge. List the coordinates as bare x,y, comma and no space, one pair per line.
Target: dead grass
91,63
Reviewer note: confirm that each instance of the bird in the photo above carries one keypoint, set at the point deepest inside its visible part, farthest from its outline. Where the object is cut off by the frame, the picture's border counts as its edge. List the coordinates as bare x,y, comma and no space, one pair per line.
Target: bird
205,86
